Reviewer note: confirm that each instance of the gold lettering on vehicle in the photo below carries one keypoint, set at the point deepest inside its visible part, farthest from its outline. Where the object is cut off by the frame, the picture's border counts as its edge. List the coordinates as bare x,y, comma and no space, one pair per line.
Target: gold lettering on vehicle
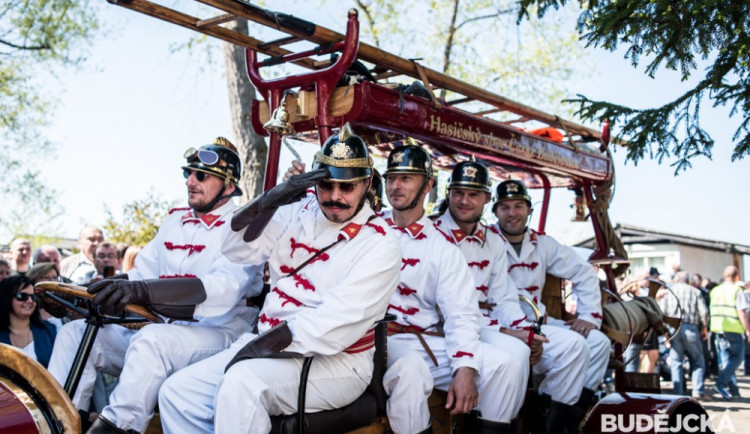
457,130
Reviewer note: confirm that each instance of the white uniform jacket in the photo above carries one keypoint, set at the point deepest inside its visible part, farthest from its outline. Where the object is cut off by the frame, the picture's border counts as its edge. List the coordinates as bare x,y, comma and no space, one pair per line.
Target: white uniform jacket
188,246
436,292
332,303
485,254
541,255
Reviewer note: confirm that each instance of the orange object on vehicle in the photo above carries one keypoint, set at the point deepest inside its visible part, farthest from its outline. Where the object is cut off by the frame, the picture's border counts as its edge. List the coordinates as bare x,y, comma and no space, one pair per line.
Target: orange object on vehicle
548,132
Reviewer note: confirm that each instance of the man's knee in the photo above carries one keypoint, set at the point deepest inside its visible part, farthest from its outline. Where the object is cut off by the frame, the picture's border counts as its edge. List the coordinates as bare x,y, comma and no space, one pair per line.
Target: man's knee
410,371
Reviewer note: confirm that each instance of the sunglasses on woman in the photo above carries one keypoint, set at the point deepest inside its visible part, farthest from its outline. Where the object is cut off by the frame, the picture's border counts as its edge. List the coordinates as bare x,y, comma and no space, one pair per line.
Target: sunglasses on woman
345,187
200,176
208,158
24,296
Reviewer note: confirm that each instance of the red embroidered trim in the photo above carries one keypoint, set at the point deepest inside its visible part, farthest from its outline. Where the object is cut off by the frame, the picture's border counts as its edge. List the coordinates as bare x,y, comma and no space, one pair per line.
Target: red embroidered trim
297,278
176,276
518,321
480,265
377,228
530,289
178,209
287,299
191,248
462,354
483,288
409,262
447,237
219,223
493,322
493,229
597,315
532,266
269,320
313,250
535,299
409,311
405,290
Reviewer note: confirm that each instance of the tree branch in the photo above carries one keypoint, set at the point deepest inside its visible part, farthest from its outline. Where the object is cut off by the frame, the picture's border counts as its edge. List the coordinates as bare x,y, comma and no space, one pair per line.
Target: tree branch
484,17
370,21
25,47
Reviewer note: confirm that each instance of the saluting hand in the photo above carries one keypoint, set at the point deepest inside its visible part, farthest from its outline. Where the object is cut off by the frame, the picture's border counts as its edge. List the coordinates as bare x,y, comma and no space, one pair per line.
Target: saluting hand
462,394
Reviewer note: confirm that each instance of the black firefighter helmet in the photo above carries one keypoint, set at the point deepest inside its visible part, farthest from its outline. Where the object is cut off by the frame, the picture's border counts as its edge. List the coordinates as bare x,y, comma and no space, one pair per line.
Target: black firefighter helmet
219,158
409,159
376,189
511,189
471,175
345,156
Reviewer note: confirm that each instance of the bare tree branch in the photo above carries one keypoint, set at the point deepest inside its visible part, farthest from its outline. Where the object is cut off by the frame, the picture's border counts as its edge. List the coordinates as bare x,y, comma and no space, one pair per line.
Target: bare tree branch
484,17
25,47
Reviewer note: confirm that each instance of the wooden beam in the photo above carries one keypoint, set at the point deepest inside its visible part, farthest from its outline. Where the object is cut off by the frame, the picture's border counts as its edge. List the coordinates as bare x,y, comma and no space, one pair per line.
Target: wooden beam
190,22
215,21
322,35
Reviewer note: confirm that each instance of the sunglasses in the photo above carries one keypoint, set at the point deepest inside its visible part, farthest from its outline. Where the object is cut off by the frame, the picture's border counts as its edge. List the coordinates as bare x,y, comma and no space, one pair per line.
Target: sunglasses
200,176
206,157
345,187
24,296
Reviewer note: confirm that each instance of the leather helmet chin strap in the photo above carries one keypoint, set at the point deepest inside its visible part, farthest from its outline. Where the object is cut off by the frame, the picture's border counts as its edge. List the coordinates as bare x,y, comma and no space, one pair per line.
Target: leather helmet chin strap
219,197
415,202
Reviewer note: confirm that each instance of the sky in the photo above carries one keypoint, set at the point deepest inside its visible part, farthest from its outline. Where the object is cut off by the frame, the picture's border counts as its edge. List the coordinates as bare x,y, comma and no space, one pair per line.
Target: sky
125,118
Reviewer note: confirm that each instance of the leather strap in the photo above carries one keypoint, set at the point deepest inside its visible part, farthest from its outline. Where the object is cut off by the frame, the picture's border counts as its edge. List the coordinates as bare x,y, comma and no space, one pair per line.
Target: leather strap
395,328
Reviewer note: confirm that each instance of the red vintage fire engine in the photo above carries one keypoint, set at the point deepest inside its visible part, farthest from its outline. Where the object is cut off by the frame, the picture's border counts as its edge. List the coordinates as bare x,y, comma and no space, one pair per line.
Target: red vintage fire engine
542,150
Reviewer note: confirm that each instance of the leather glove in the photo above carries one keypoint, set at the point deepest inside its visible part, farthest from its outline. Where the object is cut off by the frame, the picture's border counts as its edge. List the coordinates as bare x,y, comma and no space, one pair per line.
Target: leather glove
255,215
112,295
173,298
267,345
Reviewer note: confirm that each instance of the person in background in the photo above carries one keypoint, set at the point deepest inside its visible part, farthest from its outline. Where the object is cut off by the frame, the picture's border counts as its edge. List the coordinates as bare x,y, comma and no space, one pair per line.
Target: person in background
79,268
5,269
47,272
106,260
128,258
687,341
46,253
730,322
21,324
20,252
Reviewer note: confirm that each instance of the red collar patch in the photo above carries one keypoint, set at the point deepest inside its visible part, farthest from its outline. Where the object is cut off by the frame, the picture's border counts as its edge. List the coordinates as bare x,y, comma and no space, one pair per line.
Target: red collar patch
350,231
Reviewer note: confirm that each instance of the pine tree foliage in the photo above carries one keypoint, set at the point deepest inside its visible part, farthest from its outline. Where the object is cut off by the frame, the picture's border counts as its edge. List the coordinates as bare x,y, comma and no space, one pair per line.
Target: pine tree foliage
675,35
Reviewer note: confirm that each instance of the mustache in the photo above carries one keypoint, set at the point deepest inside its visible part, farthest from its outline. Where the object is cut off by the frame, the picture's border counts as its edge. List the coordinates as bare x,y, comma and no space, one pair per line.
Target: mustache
332,203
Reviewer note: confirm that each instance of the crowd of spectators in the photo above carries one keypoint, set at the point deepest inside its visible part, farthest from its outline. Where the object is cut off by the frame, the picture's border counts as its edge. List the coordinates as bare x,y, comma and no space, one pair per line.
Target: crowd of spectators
23,322
697,347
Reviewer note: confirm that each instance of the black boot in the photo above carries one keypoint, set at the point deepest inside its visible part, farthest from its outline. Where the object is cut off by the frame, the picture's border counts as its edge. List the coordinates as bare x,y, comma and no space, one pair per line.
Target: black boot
102,426
561,419
537,412
581,407
474,424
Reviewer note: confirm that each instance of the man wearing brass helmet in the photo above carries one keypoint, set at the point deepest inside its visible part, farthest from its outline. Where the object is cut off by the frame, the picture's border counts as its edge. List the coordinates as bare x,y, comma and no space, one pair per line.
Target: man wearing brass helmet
434,341
560,355
531,256
182,275
333,266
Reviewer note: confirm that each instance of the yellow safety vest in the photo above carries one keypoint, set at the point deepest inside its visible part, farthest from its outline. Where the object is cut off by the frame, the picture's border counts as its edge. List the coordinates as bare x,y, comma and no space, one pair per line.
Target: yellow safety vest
724,317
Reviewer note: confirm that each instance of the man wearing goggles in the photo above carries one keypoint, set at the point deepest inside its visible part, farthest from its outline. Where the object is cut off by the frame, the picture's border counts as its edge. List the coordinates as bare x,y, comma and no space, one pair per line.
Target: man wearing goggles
181,274
333,266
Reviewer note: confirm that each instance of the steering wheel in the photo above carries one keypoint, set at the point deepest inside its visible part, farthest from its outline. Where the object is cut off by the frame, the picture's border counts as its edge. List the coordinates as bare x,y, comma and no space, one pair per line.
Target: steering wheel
60,292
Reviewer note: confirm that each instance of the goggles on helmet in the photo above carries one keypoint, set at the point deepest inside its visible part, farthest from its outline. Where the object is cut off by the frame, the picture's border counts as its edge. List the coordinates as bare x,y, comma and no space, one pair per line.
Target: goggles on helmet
206,157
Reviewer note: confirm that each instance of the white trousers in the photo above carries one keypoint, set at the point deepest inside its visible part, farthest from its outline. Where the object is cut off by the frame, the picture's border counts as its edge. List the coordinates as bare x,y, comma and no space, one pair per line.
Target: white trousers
203,399
599,350
412,375
143,360
564,360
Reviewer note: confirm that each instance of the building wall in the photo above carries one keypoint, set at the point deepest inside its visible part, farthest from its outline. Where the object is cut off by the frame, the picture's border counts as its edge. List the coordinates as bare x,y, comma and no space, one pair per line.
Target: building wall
708,263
